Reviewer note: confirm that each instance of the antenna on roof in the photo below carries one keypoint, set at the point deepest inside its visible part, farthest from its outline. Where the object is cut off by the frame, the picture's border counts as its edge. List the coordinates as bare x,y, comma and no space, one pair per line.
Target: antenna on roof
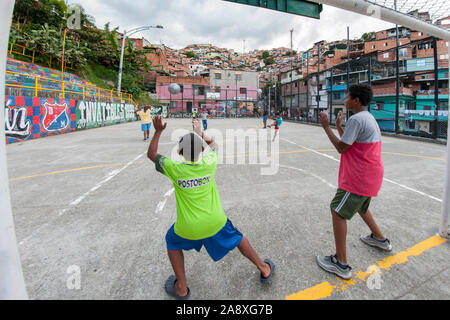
292,42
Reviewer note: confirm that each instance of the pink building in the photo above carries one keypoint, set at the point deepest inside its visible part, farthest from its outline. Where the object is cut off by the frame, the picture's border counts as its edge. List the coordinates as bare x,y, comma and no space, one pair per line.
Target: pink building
200,92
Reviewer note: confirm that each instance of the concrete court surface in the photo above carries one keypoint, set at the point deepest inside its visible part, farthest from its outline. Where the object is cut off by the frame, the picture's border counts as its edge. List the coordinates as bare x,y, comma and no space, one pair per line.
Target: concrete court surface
91,200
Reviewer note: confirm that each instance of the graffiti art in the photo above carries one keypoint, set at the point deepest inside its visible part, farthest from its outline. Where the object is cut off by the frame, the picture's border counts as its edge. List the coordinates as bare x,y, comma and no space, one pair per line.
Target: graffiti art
55,117
16,124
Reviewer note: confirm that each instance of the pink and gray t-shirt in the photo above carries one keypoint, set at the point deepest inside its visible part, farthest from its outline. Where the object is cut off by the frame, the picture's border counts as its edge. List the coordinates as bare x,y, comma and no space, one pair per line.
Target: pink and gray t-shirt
361,171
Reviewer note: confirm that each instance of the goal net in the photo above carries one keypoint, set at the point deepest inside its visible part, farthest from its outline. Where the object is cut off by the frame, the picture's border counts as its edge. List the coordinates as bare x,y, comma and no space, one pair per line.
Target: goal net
432,11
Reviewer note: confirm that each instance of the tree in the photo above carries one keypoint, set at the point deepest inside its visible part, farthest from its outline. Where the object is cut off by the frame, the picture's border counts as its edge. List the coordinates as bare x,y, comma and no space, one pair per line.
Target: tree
368,36
15,35
111,36
40,25
189,54
265,54
49,41
269,61
36,12
288,53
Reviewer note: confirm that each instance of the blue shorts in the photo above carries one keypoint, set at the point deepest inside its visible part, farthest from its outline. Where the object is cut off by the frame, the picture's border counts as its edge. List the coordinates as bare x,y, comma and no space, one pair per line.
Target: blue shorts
217,246
265,118
146,127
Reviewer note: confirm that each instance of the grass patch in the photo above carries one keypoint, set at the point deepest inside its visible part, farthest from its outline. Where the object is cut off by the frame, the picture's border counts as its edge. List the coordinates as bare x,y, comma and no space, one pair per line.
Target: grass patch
90,75
144,99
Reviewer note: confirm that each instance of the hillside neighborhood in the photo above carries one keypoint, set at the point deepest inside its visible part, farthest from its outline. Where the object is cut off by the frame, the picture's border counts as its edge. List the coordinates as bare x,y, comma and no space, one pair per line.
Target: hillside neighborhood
217,78
298,84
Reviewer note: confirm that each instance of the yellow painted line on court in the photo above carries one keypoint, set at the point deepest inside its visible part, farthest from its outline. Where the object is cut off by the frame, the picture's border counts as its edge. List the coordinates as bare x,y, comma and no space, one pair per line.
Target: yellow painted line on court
334,150
414,156
231,156
137,162
70,170
326,289
272,153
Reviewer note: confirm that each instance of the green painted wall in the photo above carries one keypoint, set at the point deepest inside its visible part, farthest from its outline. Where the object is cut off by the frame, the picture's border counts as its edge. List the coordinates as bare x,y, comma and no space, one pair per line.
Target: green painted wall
99,114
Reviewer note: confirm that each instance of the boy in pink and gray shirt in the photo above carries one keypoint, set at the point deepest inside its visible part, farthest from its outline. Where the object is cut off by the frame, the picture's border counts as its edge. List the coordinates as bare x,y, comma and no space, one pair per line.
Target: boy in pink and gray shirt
360,177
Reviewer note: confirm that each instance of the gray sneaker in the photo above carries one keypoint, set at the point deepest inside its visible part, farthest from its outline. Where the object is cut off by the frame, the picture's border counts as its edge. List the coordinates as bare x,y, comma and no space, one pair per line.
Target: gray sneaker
371,241
332,265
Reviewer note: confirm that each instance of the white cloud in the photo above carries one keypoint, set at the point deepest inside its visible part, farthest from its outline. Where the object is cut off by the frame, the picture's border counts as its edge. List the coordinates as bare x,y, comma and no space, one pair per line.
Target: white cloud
226,24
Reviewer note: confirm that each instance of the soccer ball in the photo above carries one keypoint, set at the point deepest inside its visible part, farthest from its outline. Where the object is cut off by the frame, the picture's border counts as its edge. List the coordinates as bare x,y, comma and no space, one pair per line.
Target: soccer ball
174,88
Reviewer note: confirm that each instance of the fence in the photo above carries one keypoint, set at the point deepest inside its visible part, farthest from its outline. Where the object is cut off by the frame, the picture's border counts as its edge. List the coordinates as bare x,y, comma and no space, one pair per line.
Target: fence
17,49
412,104
20,84
218,101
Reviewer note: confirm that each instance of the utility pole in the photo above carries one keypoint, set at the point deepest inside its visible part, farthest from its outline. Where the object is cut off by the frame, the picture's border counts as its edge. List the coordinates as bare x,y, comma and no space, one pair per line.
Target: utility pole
270,86
292,55
318,83
436,90
397,73
122,51
348,64
370,78
331,95
307,80
277,79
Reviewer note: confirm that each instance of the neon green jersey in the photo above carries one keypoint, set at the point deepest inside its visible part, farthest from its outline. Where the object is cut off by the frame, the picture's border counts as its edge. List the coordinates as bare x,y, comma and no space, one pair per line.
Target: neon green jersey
199,210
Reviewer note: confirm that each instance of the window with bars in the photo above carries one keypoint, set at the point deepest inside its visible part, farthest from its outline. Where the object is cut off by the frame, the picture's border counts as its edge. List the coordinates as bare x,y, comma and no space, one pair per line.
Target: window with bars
198,90
379,105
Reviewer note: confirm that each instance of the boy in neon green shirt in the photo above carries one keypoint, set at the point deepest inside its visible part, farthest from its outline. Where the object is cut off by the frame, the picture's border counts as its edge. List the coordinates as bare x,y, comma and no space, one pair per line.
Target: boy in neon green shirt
200,217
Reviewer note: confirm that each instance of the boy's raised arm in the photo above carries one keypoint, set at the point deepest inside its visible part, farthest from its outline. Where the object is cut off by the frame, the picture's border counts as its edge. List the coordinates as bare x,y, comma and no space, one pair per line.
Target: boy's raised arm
339,119
340,146
159,126
197,126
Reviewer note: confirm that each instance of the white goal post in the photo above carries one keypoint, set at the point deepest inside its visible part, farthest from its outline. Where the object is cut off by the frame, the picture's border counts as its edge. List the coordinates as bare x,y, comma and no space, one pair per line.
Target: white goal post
12,284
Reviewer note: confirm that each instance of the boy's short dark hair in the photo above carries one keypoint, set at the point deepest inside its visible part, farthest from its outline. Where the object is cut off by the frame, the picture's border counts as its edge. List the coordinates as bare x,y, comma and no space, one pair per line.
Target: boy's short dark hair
190,146
363,92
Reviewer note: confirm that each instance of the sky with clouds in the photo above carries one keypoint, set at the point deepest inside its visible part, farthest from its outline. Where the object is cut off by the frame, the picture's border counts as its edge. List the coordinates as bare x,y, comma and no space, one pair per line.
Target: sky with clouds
226,24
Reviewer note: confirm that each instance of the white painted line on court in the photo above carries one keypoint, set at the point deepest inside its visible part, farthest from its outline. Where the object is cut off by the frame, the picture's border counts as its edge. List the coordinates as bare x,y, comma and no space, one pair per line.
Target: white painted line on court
163,202
411,189
110,176
313,151
385,179
312,174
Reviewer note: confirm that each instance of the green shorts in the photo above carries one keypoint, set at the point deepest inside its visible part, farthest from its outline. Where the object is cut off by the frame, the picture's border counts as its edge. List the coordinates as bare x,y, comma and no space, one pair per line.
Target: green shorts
347,204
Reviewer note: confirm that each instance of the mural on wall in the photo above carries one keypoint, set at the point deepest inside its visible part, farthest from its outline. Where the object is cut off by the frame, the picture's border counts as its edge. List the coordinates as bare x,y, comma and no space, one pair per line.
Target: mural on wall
16,123
31,117
98,114
159,110
36,70
55,117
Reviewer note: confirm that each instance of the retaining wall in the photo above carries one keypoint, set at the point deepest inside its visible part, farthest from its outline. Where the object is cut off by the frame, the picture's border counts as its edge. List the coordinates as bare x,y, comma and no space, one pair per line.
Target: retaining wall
33,117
